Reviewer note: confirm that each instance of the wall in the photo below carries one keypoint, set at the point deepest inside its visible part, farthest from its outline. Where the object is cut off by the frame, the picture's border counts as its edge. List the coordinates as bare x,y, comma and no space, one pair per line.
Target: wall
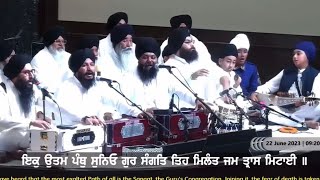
19,16
269,16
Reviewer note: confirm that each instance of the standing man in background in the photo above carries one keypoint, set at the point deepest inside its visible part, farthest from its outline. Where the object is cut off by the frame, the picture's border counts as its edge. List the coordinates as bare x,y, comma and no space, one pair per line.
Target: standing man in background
185,21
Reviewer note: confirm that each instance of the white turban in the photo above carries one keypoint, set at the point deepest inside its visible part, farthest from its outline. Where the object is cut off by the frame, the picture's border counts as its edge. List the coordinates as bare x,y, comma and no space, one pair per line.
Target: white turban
241,41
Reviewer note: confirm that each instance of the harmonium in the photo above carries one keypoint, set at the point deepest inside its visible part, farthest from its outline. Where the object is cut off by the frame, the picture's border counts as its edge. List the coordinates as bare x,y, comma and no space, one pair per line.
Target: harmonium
192,126
127,132
83,138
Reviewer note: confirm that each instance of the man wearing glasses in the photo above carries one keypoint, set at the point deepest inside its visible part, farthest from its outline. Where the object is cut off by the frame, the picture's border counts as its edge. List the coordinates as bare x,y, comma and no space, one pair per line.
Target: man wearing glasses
20,107
51,63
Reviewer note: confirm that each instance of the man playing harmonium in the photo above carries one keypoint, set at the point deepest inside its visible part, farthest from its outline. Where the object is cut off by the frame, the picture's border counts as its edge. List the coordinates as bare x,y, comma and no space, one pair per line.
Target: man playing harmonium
20,102
298,80
85,100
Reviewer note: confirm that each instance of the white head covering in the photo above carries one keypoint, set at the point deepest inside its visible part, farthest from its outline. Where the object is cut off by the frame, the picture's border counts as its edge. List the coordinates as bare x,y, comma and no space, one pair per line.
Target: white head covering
241,41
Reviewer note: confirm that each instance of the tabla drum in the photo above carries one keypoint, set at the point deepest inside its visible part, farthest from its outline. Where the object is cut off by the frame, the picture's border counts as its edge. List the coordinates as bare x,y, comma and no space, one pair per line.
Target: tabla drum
227,112
229,115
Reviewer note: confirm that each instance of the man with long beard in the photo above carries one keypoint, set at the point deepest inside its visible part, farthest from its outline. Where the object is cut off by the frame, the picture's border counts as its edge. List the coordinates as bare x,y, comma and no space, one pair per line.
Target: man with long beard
151,88
51,63
85,100
114,20
123,59
184,56
18,105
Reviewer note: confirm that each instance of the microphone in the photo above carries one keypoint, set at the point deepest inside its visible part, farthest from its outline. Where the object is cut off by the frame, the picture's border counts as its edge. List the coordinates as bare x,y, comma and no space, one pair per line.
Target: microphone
225,92
109,81
44,91
166,66
171,102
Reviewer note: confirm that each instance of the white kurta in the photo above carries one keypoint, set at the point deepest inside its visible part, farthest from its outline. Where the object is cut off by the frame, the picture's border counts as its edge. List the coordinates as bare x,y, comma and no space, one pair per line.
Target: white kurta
51,73
301,113
105,46
202,49
207,87
2,76
76,102
183,71
157,93
13,122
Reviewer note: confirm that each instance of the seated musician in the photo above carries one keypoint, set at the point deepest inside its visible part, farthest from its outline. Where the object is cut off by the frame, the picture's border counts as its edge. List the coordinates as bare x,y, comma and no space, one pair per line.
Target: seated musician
300,79
19,101
83,99
184,56
228,91
227,63
150,87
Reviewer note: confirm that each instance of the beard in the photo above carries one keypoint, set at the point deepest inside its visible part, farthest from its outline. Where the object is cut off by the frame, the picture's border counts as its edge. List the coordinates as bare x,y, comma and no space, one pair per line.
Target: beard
58,54
189,55
126,58
147,75
87,83
26,96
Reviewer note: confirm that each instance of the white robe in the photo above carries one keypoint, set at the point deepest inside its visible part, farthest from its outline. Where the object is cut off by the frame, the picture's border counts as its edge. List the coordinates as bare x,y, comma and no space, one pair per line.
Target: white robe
51,73
206,87
14,124
183,71
76,102
2,76
301,113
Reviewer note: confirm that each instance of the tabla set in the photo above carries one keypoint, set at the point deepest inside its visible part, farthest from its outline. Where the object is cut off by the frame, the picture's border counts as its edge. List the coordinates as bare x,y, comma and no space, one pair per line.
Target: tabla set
229,115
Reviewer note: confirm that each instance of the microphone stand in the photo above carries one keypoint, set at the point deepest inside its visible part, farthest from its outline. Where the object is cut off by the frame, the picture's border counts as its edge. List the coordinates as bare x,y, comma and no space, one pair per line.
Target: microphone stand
268,109
150,118
185,123
215,117
242,113
43,105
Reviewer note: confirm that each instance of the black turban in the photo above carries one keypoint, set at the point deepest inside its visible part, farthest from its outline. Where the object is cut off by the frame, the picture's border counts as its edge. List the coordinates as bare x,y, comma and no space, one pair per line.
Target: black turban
52,34
5,50
88,42
114,19
230,50
175,40
16,65
120,32
147,44
78,57
175,21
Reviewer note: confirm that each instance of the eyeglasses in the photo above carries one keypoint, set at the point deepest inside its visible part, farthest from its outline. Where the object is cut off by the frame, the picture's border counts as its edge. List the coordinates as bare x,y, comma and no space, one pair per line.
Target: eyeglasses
61,41
32,72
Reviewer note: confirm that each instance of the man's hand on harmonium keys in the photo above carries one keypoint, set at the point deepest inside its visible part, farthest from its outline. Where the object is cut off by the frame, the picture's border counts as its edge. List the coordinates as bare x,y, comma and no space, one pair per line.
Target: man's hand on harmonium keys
41,121
92,120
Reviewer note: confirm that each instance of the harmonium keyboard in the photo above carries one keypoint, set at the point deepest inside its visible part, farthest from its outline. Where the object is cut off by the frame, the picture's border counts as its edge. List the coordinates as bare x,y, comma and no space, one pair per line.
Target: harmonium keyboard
195,127
127,132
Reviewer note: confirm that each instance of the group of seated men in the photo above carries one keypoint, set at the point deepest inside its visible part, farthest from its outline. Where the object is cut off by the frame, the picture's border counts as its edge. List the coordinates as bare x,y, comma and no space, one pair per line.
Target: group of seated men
71,79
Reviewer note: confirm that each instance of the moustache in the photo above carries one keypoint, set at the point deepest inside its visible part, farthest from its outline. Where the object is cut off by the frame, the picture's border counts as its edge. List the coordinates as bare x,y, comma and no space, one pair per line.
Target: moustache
126,49
89,73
